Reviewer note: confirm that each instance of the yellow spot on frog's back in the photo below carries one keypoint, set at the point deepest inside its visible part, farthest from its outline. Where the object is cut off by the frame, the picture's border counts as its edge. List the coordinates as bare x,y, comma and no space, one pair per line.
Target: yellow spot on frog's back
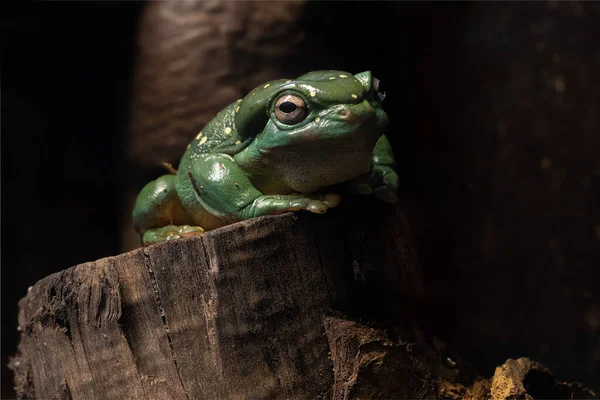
188,146
237,109
313,93
332,78
198,137
354,96
267,85
317,119
239,100
238,142
204,139
227,130
343,76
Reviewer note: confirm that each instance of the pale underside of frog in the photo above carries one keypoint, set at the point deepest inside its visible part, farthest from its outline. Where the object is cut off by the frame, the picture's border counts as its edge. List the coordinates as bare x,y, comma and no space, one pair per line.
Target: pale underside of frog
276,150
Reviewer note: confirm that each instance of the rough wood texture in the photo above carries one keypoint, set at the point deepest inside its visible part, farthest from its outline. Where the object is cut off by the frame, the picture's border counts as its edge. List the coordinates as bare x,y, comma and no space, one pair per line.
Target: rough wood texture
249,311
368,365
233,314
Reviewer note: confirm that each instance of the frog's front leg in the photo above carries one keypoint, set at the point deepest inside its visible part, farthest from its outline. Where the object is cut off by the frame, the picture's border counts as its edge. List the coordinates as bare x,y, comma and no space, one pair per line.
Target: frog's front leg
382,180
225,190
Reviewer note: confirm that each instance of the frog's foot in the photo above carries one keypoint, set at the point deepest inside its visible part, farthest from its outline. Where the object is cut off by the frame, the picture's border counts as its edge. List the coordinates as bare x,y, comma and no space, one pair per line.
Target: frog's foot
277,204
386,184
321,202
170,232
382,182
317,203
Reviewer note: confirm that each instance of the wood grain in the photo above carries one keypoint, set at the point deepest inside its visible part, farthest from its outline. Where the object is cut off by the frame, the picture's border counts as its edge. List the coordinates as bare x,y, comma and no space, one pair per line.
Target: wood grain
233,314
262,309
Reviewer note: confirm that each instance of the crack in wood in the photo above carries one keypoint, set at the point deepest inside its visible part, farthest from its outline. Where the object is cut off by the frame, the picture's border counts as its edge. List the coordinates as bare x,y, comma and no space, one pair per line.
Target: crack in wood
209,312
163,317
62,392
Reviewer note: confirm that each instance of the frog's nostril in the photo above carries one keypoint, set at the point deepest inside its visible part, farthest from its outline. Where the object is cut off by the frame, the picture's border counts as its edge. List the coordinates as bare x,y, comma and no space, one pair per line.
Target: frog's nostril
344,112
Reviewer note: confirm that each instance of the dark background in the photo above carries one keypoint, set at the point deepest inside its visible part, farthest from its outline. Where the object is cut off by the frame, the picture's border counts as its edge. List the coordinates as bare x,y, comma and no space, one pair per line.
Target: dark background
494,120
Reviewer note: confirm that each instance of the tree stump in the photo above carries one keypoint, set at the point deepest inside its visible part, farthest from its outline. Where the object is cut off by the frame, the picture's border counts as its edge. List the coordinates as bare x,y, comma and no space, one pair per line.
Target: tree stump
236,313
254,310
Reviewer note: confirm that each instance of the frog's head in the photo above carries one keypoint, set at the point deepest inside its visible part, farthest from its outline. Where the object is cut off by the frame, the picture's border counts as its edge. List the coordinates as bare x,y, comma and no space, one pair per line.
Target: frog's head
317,130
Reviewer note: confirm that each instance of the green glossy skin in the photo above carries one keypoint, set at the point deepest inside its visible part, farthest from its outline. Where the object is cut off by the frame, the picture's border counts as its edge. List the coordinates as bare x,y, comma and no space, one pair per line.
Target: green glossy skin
245,163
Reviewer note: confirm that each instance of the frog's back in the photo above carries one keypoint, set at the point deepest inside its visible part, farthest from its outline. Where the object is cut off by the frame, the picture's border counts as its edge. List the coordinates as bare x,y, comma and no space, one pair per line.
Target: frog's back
219,134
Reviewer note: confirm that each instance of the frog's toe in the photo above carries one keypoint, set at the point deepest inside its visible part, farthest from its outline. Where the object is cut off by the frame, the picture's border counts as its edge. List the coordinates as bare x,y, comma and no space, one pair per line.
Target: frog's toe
188,231
329,199
299,204
332,200
317,207
170,232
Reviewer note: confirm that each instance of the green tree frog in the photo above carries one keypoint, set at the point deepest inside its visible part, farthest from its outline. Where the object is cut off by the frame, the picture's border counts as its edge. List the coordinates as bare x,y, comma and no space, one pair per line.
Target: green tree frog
276,150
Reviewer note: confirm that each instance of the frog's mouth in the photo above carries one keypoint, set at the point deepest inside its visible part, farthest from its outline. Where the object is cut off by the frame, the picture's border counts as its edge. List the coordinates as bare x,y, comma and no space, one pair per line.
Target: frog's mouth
337,124
309,142
340,122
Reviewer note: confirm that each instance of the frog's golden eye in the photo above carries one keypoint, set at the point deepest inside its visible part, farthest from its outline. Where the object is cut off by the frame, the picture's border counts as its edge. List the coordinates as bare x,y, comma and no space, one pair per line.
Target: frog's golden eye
290,109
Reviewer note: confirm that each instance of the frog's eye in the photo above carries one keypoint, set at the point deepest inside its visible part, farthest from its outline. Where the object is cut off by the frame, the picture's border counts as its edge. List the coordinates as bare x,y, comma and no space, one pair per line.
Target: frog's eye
290,109
378,90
